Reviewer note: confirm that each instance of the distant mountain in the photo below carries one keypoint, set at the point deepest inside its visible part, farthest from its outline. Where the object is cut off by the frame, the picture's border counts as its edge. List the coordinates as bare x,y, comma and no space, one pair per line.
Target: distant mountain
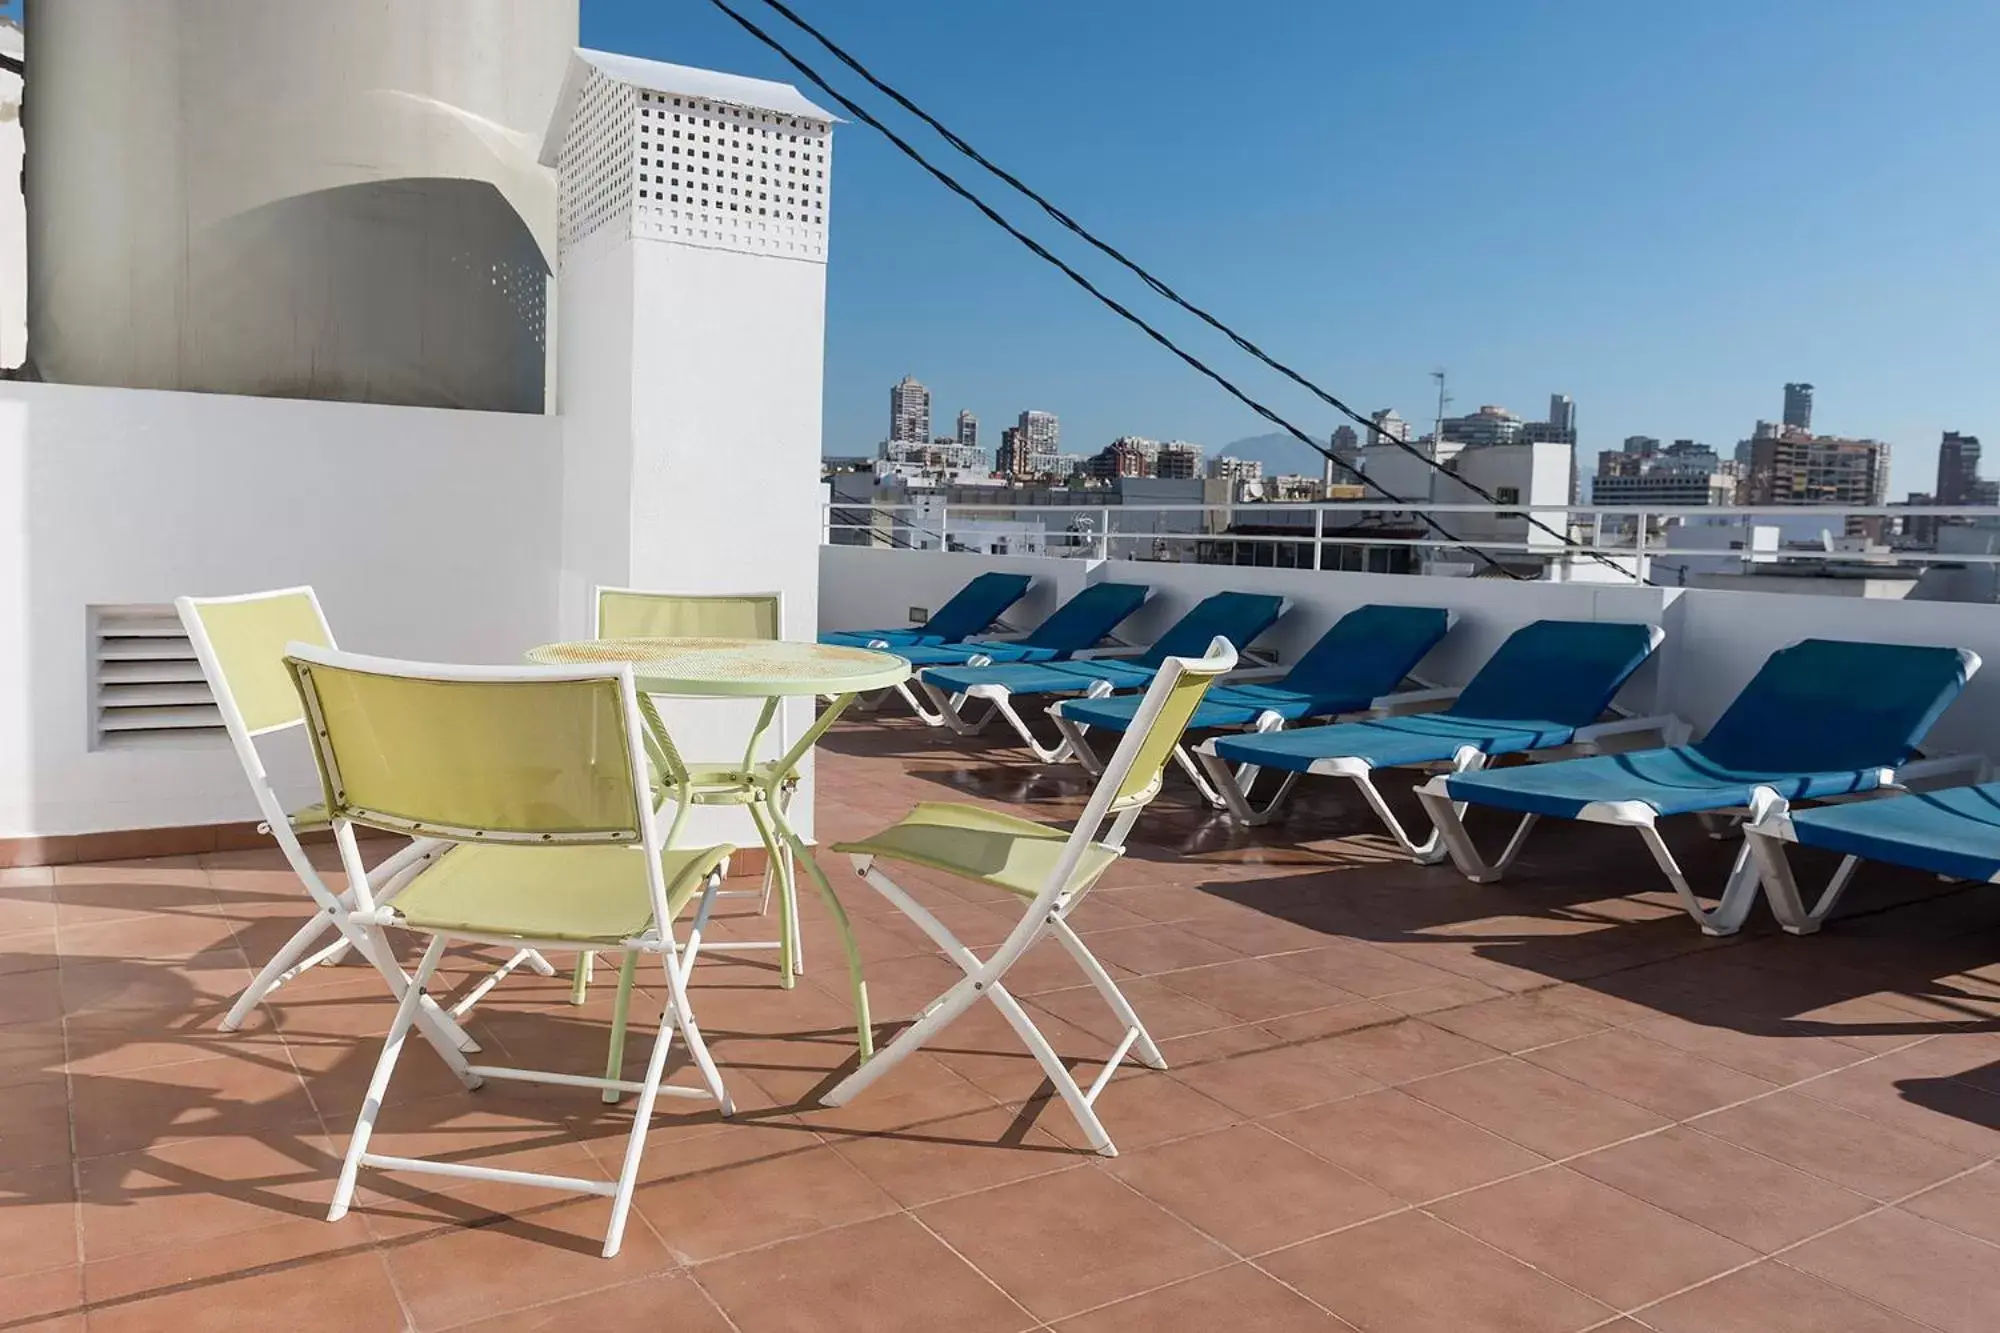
1278,452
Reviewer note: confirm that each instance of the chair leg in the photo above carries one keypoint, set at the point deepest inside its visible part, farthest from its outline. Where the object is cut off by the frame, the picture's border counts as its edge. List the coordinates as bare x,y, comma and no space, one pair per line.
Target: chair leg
1739,891
284,965
642,1116
1781,887
621,1008
1143,1045
967,991
378,1083
579,989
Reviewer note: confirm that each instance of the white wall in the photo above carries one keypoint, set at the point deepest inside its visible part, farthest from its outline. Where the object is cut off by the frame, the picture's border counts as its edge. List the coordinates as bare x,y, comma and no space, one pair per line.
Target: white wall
429,534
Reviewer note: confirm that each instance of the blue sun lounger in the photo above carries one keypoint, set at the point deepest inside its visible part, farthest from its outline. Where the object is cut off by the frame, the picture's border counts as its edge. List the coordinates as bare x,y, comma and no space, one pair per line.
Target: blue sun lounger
971,610
1084,621
1237,617
1824,718
1368,653
1546,687
1954,833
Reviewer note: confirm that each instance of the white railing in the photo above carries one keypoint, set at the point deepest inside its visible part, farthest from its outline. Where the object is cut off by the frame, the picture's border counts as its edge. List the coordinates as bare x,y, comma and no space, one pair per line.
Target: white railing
1313,535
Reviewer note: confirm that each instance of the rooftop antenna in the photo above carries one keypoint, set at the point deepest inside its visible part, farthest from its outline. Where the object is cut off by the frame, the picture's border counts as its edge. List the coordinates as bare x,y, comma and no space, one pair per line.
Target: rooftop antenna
1437,429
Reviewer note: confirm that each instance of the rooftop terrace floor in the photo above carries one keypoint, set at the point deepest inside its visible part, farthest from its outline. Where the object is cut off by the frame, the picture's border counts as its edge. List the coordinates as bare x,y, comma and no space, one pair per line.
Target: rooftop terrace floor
1398,1103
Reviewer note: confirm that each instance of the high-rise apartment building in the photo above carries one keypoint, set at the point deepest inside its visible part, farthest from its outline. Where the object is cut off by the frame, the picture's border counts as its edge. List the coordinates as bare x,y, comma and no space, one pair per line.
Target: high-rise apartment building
1227,467
1388,426
1682,473
1958,470
1011,459
1177,460
1041,431
968,430
1125,456
1562,417
1346,439
1801,469
1798,406
1488,426
909,412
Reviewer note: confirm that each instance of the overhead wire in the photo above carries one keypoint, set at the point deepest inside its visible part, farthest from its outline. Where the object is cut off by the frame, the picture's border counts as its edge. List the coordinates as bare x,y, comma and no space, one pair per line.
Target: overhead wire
1159,286
1042,252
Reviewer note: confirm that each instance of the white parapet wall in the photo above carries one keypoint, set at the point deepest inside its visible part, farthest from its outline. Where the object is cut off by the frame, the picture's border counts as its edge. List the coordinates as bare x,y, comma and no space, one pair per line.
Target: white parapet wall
1715,640
429,534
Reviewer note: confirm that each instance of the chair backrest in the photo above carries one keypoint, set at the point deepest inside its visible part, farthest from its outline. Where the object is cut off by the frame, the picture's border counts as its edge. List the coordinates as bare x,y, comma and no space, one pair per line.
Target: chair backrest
1087,617
976,606
631,613
1562,671
1828,705
1369,651
524,755
240,643
1238,617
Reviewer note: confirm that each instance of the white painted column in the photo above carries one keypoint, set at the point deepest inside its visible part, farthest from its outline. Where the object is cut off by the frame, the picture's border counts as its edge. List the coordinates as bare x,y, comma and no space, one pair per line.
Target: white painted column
693,292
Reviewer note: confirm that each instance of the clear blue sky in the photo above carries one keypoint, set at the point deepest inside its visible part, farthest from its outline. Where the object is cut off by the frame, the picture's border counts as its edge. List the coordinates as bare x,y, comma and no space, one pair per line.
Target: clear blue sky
1666,211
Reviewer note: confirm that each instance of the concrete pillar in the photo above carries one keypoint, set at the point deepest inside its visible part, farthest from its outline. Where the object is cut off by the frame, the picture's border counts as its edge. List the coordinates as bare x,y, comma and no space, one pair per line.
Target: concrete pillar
692,279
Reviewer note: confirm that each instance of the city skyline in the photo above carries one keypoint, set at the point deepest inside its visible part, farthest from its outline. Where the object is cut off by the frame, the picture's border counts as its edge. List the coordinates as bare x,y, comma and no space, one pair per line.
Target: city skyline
1703,251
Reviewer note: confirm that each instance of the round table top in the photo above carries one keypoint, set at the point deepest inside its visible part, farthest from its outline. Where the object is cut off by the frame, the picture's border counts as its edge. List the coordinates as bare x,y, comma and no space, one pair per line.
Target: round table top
745,668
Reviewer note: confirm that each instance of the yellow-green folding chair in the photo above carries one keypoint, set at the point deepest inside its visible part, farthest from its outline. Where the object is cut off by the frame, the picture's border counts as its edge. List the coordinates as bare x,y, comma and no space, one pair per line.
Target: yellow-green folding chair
536,777
1050,871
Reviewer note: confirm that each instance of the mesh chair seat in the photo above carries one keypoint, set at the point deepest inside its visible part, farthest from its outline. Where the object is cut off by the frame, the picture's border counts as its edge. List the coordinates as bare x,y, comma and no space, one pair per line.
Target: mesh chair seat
583,895
1002,850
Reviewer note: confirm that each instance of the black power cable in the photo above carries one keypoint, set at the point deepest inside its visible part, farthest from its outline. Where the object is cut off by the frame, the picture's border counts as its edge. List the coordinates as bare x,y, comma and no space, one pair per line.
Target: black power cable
1155,283
1042,252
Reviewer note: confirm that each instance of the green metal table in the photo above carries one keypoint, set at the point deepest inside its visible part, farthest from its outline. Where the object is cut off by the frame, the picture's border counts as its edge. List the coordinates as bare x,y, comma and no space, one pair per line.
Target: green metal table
771,670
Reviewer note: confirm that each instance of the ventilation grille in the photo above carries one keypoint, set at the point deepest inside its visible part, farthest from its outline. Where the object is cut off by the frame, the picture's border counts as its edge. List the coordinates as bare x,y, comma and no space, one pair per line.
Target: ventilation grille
146,688
595,164
731,177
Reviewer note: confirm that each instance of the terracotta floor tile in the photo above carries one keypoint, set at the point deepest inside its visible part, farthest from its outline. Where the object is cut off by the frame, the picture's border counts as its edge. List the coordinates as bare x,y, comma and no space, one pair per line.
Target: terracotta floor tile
1410,1149
1408,1049
1914,1266
1147,949
198,1189
1876,1159
1970,1203
941,1158
547,1244
1253,990
669,1301
1251,1189
1413,1274
1276,1079
709,1214
1775,1058
220,1095
1907,1090
1771,1298
1138,1108
34,1125
1605,1243
1236,1297
1166,1011
350,1291
1065,1243
38,1220
1734,1192
1535,1108
1516,1022
889,1274
1362,969
1648,1073
50,1301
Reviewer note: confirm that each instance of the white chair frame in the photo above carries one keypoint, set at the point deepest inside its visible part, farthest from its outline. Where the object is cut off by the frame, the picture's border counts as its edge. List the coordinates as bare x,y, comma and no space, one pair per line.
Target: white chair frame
1045,915
675,959
336,912
779,871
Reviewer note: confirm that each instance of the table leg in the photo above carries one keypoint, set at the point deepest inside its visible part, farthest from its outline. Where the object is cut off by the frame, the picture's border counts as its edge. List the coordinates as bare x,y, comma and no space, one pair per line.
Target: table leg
865,1032
774,851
